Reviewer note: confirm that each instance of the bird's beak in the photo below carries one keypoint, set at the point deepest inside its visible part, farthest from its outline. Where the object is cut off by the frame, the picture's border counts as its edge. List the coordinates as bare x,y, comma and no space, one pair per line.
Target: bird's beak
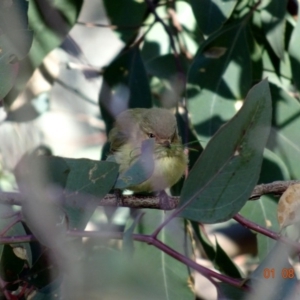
165,143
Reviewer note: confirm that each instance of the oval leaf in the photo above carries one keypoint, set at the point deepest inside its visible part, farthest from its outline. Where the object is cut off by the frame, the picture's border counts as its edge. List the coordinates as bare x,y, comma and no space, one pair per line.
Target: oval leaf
225,174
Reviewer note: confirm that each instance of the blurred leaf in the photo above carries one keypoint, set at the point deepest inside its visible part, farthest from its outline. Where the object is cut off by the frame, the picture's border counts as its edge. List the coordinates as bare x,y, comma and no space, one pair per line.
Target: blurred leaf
262,212
30,110
165,66
208,248
273,168
50,22
273,21
284,136
212,14
226,291
16,230
128,246
223,262
171,276
15,41
219,75
127,16
44,273
294,53
88,182
268,281
222,180
10,265
288,209
139,171
125,85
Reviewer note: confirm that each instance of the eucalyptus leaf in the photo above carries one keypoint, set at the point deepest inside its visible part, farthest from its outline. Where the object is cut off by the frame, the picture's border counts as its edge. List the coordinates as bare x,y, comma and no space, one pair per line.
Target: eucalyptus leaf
219,76
222,180
284,136
119,12
212,14
273,21
48,33
170,275
294,53
87,183
264,213
125,85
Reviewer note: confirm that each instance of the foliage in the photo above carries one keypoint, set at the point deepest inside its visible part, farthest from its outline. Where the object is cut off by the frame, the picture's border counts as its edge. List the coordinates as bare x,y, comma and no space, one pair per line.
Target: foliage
230,70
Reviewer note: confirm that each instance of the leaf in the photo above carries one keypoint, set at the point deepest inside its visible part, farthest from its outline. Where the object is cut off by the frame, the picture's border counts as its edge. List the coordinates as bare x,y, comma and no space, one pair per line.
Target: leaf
271,280
288,210
170,275
212,14
50,22
223,262
16,230
141,170
284,136
226,291
87,183
293,51
222,179
219,75
118,13
15,41
263,213
125,85
273,21
128,246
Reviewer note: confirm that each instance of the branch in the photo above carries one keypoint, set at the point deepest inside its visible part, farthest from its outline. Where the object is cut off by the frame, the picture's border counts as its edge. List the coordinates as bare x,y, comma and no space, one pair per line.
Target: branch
153,202
276,187
141,238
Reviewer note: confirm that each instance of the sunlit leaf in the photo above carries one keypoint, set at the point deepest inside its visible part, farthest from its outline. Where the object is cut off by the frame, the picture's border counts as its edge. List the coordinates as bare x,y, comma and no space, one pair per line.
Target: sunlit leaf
219,76
212,14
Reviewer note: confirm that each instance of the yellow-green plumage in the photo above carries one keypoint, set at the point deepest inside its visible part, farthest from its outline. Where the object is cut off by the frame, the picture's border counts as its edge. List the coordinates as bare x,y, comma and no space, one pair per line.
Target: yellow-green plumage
132,127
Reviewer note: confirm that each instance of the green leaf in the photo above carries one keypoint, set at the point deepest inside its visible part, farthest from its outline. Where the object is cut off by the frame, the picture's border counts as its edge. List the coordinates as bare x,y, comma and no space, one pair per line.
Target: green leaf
212,14
119,12
165,66
125,85
141,170
15,41
219,75
87,183
273,21
171,276
10,265
294,53
49,32
284,136
223,262
16,230
223,178
262,212
208,248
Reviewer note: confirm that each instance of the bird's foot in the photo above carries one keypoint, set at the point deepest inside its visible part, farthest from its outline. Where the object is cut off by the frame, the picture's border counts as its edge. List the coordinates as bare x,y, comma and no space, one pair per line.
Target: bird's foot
164,201
119,197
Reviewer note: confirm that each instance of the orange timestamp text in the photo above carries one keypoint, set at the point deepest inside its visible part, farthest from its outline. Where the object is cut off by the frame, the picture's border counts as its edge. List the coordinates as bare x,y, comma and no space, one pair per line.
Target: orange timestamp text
285,273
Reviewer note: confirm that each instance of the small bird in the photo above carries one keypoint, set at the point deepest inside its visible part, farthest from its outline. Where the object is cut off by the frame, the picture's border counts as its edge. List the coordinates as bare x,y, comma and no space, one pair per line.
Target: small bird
131,129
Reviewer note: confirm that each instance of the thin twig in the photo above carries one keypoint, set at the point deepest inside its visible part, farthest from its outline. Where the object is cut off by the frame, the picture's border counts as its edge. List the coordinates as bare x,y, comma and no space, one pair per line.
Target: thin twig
267,232
9,226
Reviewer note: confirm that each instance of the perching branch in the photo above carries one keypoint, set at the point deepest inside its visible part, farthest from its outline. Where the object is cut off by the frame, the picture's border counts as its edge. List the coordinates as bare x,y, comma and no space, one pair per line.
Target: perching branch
153,202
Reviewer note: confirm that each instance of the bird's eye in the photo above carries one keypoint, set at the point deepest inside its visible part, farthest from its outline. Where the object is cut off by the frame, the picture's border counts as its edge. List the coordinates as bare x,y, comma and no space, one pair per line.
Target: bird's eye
151,135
